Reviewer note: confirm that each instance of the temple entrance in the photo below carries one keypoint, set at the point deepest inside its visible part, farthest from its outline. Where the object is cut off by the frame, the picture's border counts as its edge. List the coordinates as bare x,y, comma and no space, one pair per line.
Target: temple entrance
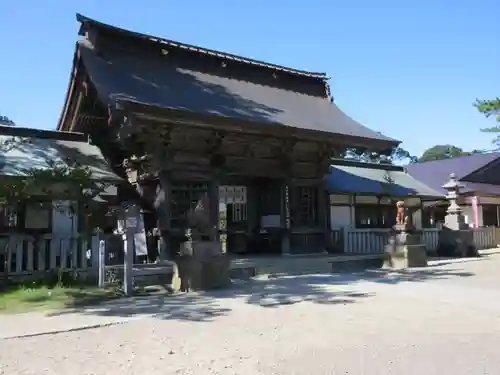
250,217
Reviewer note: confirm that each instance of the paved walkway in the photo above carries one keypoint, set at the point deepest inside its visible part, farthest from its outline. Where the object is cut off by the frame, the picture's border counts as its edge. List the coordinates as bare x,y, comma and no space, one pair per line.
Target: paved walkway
442,319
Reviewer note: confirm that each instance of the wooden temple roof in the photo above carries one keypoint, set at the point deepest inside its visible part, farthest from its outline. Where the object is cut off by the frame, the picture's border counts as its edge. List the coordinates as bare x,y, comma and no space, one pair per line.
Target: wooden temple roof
139,76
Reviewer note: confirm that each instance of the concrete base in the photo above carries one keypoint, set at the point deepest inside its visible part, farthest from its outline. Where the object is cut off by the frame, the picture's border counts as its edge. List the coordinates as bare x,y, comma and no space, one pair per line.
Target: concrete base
405,250
456,243
206,268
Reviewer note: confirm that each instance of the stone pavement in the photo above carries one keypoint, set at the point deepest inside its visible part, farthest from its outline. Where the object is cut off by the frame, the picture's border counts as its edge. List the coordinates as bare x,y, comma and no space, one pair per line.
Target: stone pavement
441,319
125,310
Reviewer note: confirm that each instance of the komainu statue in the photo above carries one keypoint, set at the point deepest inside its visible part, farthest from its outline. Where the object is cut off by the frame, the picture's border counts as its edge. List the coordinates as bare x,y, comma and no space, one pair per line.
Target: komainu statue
400,217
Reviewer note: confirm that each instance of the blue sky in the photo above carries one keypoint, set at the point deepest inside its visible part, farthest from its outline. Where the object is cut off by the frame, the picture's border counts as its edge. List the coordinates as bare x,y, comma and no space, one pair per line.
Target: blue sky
410,71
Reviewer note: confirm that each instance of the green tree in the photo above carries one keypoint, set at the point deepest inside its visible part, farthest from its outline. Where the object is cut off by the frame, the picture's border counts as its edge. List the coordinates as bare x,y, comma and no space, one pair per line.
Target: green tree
397,154
4,120
490,108
440,152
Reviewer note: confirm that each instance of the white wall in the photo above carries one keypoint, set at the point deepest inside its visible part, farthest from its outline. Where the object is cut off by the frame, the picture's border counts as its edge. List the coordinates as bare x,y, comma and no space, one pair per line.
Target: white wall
341,216
468,213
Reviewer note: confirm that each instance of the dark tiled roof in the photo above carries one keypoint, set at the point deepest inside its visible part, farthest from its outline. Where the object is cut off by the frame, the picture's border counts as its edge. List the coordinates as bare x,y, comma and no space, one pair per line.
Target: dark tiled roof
86,22
377,180
120,76
436,173
21,154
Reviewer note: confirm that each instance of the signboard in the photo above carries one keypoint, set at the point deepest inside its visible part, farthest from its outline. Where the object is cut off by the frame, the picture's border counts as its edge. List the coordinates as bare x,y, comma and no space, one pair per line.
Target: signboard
140,241
229,194
232,194
222,194
240,194
287,207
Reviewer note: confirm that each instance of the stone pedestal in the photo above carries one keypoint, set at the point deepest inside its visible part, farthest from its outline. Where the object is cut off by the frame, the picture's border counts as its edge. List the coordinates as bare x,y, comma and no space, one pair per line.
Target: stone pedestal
205,268
456,242
405,250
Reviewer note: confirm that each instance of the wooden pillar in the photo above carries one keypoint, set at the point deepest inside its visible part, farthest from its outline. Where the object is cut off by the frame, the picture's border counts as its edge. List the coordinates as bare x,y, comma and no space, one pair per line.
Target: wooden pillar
163,208
213,199
323,210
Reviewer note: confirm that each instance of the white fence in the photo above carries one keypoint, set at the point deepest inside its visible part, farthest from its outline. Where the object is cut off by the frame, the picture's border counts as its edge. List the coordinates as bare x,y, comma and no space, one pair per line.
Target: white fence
373,241
27,254
486,238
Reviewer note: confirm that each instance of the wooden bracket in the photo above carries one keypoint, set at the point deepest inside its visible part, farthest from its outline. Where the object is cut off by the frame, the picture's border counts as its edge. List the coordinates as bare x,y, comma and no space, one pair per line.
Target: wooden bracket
324,158
214,143
285,151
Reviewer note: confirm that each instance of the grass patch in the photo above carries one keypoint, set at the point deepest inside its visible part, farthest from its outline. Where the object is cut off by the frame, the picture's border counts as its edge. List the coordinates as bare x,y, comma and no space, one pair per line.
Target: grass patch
22,298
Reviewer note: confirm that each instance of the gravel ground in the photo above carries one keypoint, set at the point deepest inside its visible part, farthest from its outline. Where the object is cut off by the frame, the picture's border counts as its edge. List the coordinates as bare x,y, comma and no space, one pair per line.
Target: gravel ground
441,320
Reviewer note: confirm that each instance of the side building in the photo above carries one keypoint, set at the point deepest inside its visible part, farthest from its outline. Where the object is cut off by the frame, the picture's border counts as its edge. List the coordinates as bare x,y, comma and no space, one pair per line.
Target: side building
479,177
45,230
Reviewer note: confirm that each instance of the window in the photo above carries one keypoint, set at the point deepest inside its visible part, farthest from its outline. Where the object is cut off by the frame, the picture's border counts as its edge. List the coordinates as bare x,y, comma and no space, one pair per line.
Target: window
8,218
305,209
184,198
38,216
433,215
427,218
490,217
375,215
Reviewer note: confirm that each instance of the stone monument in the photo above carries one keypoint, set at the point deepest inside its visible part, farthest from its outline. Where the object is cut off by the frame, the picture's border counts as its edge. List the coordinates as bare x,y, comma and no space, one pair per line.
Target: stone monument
405,248
201,262
456,237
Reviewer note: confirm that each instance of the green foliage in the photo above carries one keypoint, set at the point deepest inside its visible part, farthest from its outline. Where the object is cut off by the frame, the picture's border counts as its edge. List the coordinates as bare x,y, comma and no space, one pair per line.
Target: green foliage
397,154
4,120
490,108
440,152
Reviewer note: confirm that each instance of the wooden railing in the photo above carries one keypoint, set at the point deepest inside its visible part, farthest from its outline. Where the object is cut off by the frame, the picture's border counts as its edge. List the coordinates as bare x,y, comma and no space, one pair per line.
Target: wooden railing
484,238
373,241
25,254
430,238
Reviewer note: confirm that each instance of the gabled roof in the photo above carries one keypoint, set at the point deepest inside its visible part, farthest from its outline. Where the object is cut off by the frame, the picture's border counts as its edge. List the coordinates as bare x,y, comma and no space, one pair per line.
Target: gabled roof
87,22
369,178
436,173
127,77
24,149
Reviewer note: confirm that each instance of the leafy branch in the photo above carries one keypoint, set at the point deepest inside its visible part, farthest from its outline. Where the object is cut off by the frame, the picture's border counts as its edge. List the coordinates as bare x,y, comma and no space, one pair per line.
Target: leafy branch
490,108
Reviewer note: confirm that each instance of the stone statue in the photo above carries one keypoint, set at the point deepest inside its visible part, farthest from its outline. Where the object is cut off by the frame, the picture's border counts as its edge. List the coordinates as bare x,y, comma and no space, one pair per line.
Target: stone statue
201,251
400,217
199,220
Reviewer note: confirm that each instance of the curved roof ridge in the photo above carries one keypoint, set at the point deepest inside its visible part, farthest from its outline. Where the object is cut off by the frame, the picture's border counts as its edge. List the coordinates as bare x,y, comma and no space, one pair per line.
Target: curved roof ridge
229,56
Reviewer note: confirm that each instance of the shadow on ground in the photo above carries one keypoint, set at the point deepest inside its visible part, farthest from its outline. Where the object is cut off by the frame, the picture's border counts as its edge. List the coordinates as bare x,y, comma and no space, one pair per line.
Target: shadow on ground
266,293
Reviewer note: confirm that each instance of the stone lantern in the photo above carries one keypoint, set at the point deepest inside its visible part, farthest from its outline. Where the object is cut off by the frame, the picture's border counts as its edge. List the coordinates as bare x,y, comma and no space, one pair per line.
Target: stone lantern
456,238
454,219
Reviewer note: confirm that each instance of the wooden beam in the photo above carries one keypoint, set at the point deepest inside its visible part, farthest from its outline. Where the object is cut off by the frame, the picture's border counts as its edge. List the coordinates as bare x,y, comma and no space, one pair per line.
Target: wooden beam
263,130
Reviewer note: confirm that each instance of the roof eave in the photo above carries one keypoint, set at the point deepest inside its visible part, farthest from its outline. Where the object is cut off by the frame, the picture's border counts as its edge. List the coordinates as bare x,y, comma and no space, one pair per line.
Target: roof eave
194,119
70,90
